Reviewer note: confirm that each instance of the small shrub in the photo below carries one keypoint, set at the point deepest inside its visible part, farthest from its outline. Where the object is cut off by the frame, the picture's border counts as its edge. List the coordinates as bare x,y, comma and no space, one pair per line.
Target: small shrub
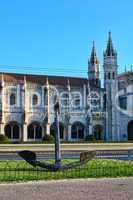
90,138
48,138
52,132
4,139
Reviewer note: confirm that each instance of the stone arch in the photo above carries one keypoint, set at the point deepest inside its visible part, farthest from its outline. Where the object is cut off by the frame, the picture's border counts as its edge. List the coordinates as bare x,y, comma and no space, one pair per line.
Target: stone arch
130,130
98,132
77,130
35,117
12,130
61,126
34,131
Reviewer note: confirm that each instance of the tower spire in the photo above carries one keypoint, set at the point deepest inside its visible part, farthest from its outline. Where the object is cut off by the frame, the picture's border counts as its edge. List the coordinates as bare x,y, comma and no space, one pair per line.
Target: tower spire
110,51
93,58
94,68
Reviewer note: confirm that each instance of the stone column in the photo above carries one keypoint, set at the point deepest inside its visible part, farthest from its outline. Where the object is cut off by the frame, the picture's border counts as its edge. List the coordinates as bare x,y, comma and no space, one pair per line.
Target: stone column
24,129
90,130
65,133
2,125
20,133
25,132
48,128
68,128
130,100
69,132
48,108
90,126
43,130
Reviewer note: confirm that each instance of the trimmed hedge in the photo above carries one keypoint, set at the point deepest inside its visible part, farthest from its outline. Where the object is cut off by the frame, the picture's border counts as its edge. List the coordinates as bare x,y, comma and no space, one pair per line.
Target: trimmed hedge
48,138
4,139
90,138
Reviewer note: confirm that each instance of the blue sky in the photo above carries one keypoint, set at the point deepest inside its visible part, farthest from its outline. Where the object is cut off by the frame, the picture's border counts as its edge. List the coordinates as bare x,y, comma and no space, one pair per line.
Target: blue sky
55,36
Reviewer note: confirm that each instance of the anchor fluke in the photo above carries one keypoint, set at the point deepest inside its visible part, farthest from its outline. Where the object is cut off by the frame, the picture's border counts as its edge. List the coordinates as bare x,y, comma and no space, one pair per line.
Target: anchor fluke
28,156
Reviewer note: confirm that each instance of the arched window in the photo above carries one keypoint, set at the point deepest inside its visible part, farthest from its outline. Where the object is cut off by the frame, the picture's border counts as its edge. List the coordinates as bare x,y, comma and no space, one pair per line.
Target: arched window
34,100
8,131
34,131
16,131
105,76
12,131
130,130
61,127
123,102
13,99
104,101
98,132
109,75
64,100
76,101
77,131
113,75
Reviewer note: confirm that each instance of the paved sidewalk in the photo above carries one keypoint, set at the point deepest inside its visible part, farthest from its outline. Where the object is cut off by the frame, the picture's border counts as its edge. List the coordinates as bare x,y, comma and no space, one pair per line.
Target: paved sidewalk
84,189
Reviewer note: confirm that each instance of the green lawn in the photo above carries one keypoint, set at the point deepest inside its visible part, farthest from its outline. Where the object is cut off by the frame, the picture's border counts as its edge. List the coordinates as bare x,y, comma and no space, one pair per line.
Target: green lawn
21,171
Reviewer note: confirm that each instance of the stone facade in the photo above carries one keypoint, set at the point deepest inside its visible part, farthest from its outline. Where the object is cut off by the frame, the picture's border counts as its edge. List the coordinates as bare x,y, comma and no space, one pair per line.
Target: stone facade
86,109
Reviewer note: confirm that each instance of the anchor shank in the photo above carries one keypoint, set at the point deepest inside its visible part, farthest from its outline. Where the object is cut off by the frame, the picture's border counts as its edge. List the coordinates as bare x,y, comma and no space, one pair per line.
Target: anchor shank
57,137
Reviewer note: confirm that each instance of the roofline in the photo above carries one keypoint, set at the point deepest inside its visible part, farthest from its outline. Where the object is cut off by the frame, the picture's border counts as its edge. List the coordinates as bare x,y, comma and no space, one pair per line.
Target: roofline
125,73
45,76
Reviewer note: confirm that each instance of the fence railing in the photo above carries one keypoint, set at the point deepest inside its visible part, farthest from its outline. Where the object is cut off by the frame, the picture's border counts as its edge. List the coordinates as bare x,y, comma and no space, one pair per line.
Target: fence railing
105,164
125,154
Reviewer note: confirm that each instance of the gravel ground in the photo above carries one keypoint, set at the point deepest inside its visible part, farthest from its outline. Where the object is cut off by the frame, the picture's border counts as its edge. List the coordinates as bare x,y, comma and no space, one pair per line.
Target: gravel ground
88,189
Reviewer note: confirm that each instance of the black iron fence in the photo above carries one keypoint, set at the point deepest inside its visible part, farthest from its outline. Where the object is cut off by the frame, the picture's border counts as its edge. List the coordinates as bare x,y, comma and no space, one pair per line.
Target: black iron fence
116,163
126,154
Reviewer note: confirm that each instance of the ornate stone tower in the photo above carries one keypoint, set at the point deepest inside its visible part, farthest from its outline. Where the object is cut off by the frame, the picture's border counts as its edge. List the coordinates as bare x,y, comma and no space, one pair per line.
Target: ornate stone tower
94,85
94,69
111,88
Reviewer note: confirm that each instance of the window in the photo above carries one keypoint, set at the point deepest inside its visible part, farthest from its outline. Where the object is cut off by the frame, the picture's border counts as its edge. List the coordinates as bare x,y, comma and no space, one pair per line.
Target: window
76,101
12,131
64,100
105,76
104,101
34,131
98,132
12,99
77,131
34,100
113,75
123,102
109,75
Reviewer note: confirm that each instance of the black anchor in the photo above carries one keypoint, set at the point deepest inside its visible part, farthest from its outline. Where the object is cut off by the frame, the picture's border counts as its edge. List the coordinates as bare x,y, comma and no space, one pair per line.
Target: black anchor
30,156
